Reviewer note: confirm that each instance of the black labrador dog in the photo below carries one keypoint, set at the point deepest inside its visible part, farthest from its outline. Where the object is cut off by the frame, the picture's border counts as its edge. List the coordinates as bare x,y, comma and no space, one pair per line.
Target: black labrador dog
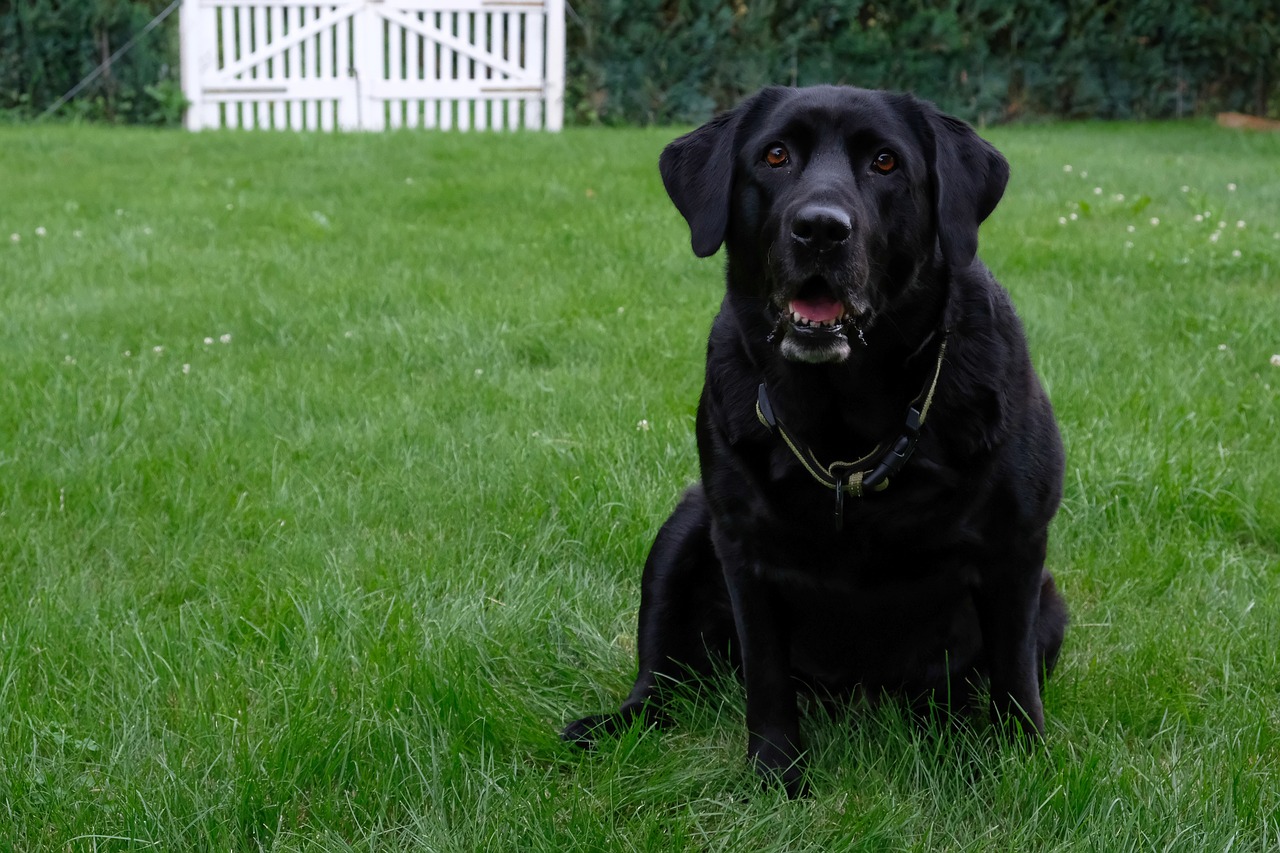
879,461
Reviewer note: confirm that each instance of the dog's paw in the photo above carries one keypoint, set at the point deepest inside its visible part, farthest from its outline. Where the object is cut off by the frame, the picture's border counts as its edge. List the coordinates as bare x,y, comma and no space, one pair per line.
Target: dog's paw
780,767
585,732
793,783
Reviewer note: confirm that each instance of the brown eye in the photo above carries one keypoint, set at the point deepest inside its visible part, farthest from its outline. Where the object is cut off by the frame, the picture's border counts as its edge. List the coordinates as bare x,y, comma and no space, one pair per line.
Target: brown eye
777,156
885,162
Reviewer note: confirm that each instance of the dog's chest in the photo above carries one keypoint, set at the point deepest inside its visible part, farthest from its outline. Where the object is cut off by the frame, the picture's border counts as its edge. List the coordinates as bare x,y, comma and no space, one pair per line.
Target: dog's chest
871,626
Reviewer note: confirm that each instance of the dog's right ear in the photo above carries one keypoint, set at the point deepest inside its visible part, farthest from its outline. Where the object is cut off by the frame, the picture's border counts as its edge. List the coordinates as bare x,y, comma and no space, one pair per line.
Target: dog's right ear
697,170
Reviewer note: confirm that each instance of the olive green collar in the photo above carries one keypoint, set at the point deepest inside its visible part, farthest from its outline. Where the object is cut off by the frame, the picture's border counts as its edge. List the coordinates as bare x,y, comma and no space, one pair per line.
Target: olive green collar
869,473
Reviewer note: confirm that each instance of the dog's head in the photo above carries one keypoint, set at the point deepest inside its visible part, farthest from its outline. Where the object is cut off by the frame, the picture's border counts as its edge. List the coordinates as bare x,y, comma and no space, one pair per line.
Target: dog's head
833,200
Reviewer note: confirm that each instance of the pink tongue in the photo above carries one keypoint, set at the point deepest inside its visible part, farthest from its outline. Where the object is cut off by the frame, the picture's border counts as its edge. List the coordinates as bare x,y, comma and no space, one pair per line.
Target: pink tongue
817,310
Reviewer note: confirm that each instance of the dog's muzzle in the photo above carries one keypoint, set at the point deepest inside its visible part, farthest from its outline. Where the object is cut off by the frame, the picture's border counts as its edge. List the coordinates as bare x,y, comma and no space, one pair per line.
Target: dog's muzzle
811,293
813,324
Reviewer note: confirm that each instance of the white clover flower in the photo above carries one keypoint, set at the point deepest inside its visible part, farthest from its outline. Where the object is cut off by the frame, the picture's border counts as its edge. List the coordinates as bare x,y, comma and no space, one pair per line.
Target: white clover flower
1231,188
157,349
1062,220
1118,197
40,231
77,234
1066,168
186,368
408,182
1198,218
226,339
1097,190
119,211
1275,360
1239,223
479,371
14,238
1084,174
1222,347
1155,220
1128,244
643,425
146,229
1186,189
1074,217
1213,238
1222,223
208,341
1131,228
1235,253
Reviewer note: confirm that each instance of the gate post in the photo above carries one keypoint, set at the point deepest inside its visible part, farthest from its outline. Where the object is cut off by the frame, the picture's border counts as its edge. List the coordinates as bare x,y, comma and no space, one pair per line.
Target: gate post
197,35
553,88
369,57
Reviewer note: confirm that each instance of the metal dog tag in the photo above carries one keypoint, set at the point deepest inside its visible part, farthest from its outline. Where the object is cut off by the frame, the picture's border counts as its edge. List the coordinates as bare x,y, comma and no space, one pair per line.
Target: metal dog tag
839,504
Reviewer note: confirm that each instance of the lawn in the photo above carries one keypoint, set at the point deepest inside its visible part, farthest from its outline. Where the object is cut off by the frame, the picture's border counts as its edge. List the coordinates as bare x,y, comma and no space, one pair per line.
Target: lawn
328,465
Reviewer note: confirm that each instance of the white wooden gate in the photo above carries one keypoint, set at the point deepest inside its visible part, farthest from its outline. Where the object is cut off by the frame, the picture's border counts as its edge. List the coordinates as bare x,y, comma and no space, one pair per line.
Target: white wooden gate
373,64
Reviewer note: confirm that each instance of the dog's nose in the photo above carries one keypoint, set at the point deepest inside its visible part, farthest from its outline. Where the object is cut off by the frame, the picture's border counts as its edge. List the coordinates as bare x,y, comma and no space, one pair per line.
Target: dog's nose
820,227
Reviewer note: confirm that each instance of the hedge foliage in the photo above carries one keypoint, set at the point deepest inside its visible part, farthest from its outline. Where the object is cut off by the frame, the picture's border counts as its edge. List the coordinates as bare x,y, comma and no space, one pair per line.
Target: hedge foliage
48,46
664,61
987,60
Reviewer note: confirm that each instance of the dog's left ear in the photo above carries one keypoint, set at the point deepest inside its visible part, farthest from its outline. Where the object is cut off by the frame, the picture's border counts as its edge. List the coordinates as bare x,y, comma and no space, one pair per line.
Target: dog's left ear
697,170
969,176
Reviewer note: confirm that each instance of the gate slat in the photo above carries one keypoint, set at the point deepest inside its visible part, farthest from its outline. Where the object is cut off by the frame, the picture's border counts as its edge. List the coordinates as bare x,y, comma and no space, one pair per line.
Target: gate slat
448,20
465,71
533,66
413,72
393,37
483,71
258,36
432,115
512,54
275,27
498,109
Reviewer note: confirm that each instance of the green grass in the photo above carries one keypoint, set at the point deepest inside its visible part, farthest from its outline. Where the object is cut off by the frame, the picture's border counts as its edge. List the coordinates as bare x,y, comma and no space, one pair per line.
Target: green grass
335,583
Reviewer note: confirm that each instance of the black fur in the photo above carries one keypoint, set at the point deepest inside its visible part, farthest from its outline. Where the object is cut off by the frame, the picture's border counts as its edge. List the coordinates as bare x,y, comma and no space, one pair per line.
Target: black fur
870,207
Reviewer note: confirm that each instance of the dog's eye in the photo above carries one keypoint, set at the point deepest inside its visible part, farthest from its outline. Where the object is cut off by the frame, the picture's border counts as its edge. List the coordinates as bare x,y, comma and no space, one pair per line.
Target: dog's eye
886,161
777,156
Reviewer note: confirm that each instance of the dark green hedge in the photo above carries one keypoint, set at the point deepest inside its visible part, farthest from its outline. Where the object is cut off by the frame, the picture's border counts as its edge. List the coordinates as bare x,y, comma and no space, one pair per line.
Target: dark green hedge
48,46
987,60
661,61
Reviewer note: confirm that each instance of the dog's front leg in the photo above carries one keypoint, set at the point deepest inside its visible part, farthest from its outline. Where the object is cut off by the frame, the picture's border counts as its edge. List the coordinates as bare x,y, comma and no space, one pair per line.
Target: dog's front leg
1008,603
773,719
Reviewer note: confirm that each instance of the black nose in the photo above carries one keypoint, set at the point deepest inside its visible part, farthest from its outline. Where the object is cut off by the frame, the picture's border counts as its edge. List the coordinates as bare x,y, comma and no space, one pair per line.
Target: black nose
820,227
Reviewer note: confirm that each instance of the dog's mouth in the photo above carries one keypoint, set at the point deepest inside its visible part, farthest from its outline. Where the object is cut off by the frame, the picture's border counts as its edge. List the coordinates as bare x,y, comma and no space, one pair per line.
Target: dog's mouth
819,310
813,324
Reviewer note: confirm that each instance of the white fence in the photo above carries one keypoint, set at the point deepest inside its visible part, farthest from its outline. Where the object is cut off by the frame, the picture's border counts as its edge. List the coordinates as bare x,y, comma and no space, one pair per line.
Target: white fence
373,64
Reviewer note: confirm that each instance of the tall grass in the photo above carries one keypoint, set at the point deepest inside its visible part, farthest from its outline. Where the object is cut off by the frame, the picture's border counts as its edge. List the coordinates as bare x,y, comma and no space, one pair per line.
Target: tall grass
328,464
